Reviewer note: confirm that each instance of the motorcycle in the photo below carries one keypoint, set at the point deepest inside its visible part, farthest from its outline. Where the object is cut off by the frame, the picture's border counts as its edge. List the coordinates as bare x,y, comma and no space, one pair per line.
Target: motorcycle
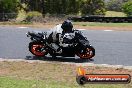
72,44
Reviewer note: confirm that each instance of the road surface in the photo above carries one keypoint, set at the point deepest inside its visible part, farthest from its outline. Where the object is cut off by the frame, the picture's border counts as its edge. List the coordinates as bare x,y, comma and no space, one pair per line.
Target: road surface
112,47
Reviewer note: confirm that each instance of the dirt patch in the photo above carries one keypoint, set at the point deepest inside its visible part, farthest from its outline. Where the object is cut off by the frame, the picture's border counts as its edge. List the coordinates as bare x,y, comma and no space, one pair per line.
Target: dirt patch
104,28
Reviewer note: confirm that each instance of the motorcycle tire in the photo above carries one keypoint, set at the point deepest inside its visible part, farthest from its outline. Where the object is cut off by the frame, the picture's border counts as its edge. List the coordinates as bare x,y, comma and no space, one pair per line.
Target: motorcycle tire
89,53
36,49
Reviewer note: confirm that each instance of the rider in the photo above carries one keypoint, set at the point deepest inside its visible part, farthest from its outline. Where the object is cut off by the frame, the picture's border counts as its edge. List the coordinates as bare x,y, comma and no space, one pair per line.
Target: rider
54,36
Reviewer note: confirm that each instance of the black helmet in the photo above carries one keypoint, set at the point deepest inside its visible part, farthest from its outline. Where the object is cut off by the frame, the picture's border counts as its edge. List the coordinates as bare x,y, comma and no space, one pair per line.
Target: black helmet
67,25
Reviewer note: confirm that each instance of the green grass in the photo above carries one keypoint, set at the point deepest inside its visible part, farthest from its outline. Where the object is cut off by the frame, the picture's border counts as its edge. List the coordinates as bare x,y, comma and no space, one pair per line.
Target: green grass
8,82
115,14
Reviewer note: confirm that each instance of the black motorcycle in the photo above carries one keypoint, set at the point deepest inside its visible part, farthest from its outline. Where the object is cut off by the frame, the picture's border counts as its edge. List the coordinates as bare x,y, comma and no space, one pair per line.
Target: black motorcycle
72,44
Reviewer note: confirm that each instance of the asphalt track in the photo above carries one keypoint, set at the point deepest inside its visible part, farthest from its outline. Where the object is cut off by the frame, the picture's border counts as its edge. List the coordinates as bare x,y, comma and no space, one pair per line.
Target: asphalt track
112,47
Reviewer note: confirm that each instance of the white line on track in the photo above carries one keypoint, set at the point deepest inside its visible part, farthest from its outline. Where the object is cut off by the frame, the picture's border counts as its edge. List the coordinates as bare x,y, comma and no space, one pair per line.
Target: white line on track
22,27
103,30
81,29
108,30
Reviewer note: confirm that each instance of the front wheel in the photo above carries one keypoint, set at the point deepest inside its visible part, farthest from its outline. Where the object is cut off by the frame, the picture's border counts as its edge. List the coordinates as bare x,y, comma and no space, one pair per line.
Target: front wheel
87,53
37,49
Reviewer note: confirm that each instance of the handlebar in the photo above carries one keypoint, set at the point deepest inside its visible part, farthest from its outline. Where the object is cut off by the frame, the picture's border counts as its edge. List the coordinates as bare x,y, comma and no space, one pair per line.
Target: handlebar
28,34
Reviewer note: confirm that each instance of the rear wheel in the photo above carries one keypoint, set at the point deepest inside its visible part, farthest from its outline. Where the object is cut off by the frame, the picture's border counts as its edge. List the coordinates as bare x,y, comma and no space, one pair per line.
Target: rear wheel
37,49
87,53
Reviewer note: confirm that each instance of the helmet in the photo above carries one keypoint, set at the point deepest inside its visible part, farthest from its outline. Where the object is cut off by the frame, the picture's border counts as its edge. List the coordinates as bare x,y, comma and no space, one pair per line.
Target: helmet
67,25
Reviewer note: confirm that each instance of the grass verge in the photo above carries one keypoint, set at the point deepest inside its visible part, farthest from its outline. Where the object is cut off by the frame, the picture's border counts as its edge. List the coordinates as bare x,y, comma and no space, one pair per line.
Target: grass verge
77,25
51,75
7,82
81,24
115,14
103,24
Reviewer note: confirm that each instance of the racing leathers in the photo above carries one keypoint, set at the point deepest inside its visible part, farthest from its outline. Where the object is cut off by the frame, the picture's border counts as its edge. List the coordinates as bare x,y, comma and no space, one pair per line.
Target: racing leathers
55,39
